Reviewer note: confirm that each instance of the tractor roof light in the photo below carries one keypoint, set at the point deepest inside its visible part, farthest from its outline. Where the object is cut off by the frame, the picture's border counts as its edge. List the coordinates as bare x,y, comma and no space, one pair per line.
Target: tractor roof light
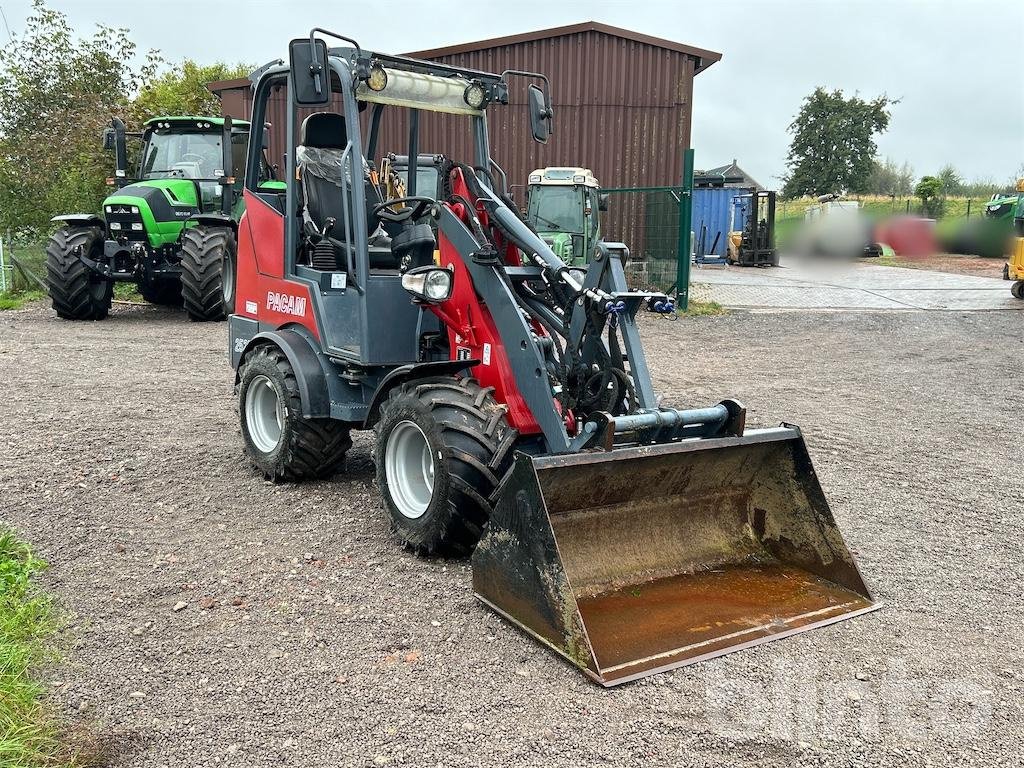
377,80
475,95
579,179
535,178
417,90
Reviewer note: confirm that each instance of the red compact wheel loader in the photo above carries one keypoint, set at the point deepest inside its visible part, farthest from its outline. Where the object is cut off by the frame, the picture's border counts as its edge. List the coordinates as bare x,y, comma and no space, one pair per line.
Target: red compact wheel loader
513,410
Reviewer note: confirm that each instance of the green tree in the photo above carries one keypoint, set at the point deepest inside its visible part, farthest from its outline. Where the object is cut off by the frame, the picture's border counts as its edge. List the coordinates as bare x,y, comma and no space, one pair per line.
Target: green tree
183,91
833,147
929,192
57,92
888,178
952,182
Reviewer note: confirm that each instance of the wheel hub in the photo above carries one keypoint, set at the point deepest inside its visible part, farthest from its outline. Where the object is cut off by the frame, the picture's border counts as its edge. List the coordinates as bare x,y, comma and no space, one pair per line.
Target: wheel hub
409,468
264,413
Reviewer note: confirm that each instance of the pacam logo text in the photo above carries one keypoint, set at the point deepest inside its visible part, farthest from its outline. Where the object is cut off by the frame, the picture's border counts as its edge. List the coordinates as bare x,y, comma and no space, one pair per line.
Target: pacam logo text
286,304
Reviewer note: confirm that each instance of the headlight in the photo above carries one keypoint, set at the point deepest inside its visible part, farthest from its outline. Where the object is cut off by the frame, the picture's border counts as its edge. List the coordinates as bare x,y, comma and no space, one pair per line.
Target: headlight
535,179
475,95
431,284
135,209
378,79
115,225
579,179
137,226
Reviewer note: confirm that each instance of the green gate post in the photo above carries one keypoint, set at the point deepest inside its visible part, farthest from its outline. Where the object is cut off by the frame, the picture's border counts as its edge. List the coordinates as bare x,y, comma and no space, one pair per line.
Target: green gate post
685,225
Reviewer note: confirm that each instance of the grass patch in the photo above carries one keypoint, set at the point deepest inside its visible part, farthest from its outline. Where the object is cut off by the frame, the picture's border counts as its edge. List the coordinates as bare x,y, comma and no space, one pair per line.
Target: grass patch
30,735
128,292
698,308
19,299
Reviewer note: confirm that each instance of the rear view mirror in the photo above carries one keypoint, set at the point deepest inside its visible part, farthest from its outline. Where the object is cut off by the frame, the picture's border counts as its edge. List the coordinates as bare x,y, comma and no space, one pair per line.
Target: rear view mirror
108,138
540,114
311,77
602,202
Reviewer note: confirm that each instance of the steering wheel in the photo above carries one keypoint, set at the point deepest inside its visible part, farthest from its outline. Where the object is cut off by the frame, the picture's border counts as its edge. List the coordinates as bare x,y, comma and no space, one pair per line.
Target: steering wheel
415,208
192,157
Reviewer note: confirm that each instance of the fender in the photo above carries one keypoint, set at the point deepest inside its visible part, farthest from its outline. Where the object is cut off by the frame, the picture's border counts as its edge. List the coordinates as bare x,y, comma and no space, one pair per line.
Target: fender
307,364
214,220
84,219
404,373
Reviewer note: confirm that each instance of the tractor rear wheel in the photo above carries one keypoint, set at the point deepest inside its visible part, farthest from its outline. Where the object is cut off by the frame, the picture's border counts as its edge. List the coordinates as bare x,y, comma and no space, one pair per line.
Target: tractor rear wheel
203,251
281,442
162,291
77,292
442,446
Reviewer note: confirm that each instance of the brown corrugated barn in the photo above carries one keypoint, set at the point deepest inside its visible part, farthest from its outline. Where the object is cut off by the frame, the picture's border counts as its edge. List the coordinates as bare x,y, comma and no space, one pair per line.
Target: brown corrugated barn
623,104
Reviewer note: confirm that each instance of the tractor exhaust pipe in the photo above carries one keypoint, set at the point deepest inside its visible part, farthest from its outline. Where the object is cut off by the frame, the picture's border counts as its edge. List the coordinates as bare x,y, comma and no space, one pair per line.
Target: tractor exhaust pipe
639,560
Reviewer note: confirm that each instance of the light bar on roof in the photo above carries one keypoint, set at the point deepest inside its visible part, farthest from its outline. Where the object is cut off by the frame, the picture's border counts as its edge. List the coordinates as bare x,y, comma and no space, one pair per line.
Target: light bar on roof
416,90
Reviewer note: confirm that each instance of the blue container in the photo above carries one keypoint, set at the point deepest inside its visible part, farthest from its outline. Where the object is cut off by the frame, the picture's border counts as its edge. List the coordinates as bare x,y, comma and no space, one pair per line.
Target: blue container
713,208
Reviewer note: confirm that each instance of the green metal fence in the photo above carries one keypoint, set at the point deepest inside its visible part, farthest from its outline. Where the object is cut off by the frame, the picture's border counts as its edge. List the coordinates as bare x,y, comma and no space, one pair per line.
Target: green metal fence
655,223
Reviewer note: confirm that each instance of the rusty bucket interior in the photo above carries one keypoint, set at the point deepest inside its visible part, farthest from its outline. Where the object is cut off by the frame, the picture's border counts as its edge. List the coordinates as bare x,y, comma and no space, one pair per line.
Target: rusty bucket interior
638,560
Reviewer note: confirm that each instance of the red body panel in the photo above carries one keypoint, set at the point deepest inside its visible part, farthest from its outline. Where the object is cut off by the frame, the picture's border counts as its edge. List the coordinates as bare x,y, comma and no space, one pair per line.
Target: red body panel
471,329
261,291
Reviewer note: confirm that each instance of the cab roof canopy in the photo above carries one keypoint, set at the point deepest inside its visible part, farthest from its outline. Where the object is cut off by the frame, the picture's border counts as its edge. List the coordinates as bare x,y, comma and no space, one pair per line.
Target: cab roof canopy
191,121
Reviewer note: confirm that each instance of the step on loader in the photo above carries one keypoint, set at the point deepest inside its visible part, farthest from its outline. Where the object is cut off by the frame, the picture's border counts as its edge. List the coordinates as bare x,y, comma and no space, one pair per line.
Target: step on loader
513,411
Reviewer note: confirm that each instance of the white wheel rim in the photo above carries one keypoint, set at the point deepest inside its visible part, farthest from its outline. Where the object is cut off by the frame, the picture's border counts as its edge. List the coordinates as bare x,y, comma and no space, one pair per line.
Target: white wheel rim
409,468
227,282
264,413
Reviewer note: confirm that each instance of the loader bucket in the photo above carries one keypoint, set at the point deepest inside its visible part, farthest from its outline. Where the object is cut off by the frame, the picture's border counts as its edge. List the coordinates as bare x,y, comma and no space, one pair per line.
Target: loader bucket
638,560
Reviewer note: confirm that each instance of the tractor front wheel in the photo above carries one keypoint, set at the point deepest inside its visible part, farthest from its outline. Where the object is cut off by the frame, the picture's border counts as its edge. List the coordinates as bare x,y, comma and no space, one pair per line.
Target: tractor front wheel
442,446
282,443
77,292
203,253
1017,289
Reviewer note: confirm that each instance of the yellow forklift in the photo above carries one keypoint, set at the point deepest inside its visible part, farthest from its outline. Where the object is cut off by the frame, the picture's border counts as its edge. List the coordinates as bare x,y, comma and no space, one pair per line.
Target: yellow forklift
1015,264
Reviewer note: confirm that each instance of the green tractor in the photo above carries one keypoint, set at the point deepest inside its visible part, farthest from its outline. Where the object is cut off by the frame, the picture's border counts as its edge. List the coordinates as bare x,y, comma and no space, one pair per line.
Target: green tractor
170,229
563,206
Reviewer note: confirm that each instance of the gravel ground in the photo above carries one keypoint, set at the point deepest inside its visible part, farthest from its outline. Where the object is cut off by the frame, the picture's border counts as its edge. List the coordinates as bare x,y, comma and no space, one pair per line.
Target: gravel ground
219,619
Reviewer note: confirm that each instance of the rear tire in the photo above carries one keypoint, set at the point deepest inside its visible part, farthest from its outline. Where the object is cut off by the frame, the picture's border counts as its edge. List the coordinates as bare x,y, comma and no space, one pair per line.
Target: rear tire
281,442
442,446
77,292
203,251
162,291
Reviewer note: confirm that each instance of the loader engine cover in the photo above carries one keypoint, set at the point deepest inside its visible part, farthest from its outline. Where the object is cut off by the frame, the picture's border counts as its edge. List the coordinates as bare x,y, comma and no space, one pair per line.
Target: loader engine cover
638,560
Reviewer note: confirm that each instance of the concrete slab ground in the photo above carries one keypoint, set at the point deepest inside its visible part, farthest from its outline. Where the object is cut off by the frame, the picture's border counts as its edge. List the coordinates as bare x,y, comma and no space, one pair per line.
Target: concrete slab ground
857,286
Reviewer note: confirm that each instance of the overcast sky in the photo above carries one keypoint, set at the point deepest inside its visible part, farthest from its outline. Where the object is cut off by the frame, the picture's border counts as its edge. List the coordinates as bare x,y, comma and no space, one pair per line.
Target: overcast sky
956,66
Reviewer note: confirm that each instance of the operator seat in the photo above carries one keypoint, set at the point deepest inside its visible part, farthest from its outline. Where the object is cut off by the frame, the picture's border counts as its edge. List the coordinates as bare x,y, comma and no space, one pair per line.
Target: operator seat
319,156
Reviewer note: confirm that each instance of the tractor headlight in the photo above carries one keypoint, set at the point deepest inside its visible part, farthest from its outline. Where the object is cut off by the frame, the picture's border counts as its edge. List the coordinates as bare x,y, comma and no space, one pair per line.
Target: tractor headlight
430,284
115,225
378,79
136,226
578,179
535,178
135,209
475,95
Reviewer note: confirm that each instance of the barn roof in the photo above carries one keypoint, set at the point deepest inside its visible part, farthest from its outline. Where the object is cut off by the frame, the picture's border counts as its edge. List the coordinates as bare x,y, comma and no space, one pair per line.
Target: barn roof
704,58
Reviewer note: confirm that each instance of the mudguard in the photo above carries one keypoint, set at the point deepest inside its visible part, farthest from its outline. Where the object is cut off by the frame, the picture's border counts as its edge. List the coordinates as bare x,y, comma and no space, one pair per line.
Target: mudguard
83,219
306,362
409,372
214,220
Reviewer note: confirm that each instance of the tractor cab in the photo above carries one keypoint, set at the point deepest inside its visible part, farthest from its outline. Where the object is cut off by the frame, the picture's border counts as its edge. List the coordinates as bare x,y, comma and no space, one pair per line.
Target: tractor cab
563,205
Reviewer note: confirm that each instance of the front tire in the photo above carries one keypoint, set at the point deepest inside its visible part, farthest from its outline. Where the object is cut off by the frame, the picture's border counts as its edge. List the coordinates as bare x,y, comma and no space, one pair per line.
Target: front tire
442,446
77,292
203,252
1017,289
281,442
